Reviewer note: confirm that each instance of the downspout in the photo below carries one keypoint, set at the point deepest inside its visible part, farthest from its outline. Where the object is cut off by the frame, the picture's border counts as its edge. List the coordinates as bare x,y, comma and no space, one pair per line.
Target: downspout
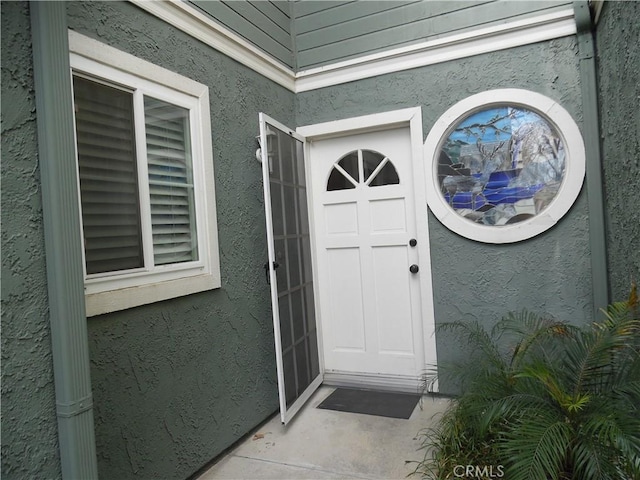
591,135
65,283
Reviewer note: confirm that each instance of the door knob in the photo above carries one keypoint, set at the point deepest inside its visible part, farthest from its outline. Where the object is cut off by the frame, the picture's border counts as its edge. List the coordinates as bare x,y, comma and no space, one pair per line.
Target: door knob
414,268
413,242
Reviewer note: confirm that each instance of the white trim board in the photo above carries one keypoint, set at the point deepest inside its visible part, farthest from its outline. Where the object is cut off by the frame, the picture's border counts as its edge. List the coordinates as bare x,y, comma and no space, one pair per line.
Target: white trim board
202,27
454,47
365,123
483,40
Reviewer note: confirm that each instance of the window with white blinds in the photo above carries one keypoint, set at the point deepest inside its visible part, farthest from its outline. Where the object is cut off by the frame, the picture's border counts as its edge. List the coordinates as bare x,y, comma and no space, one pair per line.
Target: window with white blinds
170,182
145,179
108,173
108,177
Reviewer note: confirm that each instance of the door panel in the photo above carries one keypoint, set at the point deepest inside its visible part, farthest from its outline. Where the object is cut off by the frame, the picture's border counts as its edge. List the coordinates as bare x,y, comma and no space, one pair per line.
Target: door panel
341,219
393,301
347,315
364,203
388,215
289,268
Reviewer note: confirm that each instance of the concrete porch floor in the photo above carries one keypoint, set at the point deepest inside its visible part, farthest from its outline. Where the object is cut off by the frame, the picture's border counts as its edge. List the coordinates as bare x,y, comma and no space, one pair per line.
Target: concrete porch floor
326,444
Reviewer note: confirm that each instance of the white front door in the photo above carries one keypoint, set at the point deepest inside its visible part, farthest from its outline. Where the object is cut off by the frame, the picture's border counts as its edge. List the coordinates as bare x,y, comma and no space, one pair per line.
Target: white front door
372,254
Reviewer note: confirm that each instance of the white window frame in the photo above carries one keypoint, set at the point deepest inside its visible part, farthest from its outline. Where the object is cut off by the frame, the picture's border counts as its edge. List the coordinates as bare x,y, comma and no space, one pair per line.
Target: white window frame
571,185
112,291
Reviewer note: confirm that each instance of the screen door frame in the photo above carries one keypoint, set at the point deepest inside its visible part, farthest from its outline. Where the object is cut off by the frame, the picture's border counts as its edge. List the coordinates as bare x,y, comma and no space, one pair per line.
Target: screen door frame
269,126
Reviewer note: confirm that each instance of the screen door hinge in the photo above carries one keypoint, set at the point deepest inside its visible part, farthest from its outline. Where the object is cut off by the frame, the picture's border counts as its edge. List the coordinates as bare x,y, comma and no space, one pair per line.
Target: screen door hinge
266,271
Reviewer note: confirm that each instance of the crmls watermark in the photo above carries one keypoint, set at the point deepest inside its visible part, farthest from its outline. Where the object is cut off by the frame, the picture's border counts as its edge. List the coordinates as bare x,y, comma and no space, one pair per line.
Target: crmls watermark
478,471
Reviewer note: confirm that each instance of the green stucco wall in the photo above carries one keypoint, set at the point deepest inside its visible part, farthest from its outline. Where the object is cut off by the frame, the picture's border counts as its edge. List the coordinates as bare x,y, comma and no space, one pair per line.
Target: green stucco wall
550,273
177,382
174,383
618,55
29,428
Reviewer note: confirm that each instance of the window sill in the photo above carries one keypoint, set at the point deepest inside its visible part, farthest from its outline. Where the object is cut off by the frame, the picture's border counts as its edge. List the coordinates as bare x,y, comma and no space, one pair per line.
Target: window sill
124,298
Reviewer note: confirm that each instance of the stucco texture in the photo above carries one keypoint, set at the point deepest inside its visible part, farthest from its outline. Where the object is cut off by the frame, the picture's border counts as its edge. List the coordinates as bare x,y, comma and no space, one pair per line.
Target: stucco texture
550,273
618,56
29,428
177,382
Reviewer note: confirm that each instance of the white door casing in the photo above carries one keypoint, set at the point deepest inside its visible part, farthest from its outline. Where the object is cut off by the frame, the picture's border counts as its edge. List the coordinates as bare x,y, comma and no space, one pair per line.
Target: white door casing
375,316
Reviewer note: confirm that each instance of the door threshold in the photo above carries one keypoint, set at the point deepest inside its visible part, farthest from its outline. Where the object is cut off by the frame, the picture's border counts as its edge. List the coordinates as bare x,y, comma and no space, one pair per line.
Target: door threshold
392,383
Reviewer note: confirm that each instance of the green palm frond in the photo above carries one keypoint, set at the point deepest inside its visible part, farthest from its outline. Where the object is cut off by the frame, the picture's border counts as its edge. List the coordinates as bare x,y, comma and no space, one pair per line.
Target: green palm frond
476,340
623,379
593,358
590,463
495,412
630,390
609,450
546,400
536,446
482,360
613,429
528,332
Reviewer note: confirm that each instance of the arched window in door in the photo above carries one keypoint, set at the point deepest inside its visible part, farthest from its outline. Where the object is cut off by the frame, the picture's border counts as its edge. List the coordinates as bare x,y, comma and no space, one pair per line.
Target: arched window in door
366,168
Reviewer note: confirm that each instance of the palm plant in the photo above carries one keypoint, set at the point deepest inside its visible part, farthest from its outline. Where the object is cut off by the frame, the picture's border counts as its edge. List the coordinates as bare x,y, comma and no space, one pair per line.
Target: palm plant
543,400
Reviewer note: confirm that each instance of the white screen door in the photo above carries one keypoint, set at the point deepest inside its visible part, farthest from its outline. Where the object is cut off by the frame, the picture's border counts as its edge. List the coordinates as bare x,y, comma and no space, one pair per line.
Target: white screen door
289,268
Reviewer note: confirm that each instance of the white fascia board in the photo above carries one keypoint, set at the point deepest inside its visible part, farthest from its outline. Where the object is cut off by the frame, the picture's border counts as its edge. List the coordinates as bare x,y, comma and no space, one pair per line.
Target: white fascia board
490,39
200,26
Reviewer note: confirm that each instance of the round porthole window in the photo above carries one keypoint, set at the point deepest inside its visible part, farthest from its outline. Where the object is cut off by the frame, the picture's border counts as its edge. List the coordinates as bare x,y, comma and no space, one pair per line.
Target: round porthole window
504,165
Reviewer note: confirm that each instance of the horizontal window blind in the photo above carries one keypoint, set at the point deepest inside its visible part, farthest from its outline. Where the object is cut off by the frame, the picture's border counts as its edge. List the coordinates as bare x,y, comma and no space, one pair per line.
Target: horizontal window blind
108,177
170,182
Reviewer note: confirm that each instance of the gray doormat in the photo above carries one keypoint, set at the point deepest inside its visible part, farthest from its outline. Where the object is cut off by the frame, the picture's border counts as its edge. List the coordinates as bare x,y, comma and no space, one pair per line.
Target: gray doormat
369,402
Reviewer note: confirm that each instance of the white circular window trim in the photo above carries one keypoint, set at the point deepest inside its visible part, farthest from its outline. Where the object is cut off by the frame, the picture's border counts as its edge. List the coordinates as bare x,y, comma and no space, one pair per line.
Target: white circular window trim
571,185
